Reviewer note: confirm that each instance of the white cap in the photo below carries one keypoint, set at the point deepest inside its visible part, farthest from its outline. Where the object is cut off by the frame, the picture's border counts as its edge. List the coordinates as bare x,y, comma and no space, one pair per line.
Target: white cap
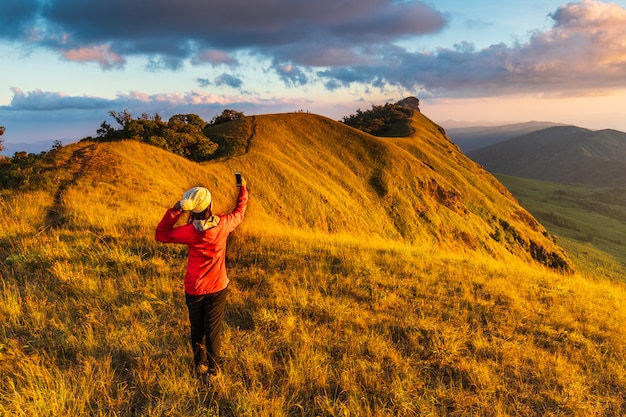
196,199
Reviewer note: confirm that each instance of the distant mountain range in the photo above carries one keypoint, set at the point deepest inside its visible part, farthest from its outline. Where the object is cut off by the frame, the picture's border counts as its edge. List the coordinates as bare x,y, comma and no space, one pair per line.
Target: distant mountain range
563,154
32,147
475,137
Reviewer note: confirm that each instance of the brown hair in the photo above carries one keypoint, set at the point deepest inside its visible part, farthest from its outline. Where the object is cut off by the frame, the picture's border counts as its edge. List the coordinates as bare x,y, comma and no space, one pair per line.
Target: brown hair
203,215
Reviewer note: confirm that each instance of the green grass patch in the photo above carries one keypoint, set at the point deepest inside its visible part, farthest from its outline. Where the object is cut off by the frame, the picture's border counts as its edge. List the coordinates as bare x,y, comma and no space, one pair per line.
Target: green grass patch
594,219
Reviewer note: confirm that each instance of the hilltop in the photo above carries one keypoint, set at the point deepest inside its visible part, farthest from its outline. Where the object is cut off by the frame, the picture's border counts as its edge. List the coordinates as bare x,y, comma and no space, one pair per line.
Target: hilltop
371,276
420,188
317,175
563,154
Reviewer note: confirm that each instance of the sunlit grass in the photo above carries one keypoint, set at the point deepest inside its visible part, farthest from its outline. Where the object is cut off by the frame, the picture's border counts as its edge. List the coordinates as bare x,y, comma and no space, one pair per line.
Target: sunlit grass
314,327
324,318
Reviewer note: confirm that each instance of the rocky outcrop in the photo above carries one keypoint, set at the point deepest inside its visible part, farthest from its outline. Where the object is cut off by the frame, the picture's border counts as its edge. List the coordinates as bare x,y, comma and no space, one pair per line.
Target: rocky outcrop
410,102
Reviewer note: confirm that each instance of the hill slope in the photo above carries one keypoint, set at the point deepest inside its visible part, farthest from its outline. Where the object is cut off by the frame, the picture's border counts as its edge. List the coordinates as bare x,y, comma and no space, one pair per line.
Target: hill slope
565,154
339,304
315,174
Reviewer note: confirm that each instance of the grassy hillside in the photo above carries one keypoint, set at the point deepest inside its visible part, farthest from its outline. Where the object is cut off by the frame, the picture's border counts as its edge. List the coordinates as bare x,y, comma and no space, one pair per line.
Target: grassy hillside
319,175
371,277
563,154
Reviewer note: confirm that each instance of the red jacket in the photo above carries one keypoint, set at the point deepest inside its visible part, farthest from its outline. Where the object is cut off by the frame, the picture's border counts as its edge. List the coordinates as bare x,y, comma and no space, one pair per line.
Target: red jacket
206,265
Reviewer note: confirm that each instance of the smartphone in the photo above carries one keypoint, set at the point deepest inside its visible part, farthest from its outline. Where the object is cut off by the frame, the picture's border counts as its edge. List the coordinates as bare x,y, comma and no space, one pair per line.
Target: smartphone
238,178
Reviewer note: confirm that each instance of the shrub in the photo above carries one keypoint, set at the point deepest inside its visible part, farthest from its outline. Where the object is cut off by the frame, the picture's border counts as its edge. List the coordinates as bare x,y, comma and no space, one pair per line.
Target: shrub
380,120
182,134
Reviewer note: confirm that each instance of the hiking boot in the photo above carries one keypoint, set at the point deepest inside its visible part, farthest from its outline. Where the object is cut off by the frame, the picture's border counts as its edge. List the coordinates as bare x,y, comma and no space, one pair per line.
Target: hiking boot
202,372
202,369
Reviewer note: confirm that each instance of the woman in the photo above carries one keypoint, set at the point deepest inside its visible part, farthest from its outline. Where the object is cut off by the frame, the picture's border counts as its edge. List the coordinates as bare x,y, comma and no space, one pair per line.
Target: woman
206,283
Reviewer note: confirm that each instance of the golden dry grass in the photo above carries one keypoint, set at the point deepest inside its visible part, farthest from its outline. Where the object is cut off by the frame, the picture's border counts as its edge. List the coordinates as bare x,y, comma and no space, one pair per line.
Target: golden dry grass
335,309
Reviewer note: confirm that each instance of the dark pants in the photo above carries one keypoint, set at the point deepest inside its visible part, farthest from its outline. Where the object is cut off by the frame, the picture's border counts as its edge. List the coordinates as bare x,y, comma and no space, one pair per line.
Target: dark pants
205,316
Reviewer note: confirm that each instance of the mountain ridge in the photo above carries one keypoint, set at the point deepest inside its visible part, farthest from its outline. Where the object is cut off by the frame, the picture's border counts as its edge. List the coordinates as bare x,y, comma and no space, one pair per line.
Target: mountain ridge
470,138
314,174
565,154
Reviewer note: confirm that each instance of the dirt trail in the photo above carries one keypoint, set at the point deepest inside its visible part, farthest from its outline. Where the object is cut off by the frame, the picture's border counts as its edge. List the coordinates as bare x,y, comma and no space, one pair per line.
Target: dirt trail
252,133
85,161
55,216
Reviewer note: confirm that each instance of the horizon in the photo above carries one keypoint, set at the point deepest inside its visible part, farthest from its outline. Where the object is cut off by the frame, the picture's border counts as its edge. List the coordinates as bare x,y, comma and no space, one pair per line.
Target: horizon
495,62
10,148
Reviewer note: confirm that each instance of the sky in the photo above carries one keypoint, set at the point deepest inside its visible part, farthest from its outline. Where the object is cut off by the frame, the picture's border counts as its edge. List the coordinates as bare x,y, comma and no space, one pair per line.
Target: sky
67,63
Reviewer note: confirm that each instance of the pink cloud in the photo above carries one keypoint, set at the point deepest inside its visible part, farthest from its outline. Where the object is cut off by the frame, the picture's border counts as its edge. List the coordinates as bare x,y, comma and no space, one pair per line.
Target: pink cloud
95,53
586,47
582,54
214,56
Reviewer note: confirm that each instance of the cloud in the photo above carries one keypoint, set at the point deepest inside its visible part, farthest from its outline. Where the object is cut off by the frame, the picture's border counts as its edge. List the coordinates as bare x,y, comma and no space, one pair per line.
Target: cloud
100,54
42,101
293,76
213,56
329,43
38,100
211,31
584,52
203,82
229,80
16,16
221,80
158,63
